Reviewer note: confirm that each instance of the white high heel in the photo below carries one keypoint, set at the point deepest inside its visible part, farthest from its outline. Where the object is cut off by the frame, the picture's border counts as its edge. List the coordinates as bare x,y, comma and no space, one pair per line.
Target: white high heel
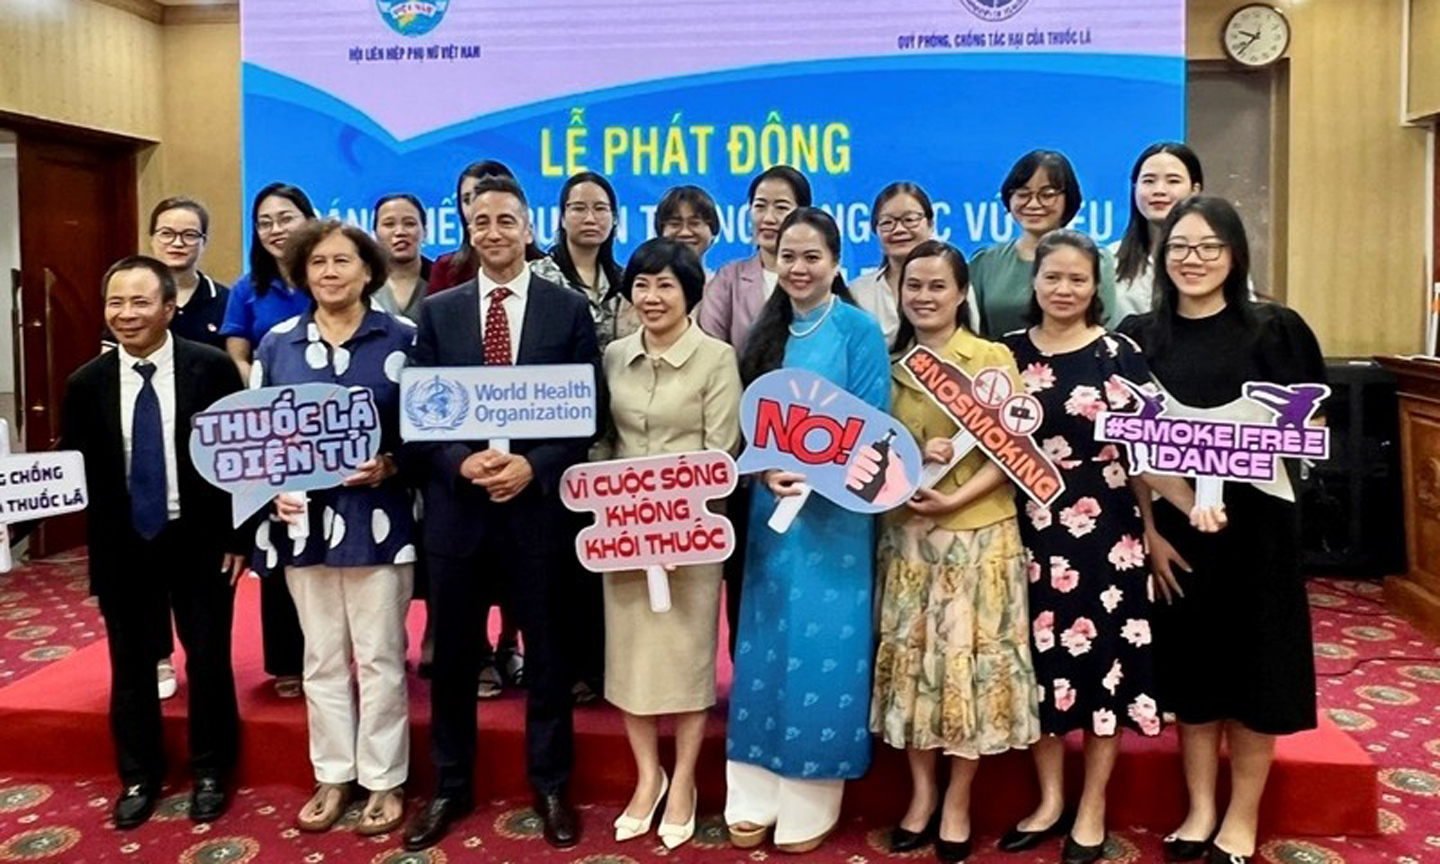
673,835
628,827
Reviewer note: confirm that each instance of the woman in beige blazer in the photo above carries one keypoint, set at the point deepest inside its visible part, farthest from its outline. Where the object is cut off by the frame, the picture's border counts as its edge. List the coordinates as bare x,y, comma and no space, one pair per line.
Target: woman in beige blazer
673,389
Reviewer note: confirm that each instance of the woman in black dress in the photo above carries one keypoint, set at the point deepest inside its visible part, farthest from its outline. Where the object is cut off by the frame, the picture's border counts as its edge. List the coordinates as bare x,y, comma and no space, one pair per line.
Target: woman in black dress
1233,651
1089,593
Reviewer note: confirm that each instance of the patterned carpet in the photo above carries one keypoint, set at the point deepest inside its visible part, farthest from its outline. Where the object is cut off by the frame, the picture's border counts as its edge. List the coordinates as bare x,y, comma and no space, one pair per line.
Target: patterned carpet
1378,679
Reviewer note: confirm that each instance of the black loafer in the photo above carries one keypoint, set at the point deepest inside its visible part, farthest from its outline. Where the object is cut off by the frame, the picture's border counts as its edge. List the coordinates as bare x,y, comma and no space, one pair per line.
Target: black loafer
561,824
1018,840
1075,852
208,799
1215,855
903,840
951,851
134,806
1178,849
431,824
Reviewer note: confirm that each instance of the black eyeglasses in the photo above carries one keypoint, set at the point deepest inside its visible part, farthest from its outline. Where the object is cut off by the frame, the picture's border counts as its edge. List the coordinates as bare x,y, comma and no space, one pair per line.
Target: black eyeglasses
186,238
1210,250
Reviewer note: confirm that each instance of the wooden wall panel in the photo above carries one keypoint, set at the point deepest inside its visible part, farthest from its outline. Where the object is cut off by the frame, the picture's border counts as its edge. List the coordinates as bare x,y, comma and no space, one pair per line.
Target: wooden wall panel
1424,58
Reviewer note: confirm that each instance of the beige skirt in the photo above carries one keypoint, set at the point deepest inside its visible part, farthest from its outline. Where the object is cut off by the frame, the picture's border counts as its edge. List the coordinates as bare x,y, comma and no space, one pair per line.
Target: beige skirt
662,662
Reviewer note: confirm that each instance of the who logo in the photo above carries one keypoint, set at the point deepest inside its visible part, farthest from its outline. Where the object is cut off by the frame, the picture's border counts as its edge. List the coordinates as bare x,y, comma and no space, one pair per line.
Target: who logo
994,10
412,17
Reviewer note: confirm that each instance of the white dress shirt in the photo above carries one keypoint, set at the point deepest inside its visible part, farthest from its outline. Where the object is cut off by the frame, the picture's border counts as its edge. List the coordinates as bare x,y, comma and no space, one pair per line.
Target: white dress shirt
514,305
164,383
872,293
771,281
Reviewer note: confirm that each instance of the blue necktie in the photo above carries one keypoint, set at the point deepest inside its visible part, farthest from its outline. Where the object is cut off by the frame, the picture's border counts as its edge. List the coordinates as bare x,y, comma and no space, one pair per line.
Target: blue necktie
148,510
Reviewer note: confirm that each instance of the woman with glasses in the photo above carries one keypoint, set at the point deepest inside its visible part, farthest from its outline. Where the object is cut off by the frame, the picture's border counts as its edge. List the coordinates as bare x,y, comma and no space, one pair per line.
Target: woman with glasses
179,227
688,214
259,300
264,296
1041,193
902,218
1233,650
583,256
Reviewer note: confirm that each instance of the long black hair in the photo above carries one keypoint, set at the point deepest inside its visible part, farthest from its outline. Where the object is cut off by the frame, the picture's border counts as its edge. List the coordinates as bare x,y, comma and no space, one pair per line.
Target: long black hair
1228,227
264,269
1057,168
1135,248
959,268
1085,244
798,183
765,346
605,259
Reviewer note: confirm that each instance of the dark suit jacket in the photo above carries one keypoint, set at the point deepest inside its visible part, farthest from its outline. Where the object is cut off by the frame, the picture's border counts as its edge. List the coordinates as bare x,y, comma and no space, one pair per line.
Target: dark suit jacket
91,424
557,329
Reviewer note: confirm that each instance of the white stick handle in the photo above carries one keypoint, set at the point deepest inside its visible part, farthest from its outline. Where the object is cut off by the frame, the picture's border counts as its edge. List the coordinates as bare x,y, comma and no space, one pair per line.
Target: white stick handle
300,529
787,509
1209,492
6,562
963,443
658,581
500,445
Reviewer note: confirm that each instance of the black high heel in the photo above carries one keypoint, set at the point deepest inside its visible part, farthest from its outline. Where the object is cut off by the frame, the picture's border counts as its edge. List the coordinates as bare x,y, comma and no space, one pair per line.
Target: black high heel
902,840
1179,850
1075,852
1018,840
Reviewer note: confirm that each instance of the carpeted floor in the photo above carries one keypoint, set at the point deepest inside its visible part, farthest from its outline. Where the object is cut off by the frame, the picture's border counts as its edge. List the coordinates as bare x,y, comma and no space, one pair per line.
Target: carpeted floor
1378,679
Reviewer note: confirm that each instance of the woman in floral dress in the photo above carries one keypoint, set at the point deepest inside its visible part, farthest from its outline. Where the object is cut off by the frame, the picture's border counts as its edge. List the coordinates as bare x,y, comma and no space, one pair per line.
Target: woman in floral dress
1089,597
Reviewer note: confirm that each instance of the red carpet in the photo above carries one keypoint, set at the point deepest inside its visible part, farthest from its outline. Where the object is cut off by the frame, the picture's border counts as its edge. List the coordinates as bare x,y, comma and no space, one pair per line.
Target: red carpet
53,725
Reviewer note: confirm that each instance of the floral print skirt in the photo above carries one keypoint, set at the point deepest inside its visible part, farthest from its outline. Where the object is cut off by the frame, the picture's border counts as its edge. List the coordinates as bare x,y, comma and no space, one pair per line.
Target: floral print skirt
953,668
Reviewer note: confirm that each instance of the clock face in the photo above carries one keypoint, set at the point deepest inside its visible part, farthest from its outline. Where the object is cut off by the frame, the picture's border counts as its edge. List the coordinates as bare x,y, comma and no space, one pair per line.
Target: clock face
1256,35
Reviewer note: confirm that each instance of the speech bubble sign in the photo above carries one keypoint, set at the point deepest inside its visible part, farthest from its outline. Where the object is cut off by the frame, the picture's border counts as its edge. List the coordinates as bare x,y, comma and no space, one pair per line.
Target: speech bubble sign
1239,441
651,510
257,443
651,513
39,485
1000,422
857,456
473,403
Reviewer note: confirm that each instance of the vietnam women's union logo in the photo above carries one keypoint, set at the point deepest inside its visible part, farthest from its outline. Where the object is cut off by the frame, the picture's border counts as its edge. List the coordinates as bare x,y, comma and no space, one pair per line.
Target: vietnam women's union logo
437,403
412,17
994,10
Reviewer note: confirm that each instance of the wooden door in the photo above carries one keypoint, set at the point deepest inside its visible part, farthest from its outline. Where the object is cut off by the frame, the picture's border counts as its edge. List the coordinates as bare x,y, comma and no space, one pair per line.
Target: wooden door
77,217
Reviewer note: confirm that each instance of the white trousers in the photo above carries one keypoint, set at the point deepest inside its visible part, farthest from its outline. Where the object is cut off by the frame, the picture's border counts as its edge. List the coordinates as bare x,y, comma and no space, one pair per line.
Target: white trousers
356,613
800,810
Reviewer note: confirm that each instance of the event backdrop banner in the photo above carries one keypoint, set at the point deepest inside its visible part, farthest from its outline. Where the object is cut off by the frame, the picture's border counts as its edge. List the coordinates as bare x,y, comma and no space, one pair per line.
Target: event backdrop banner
352,99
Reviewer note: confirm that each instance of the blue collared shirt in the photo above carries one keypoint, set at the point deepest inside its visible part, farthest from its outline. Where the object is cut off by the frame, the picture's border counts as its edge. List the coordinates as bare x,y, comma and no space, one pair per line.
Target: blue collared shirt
350,526
250,316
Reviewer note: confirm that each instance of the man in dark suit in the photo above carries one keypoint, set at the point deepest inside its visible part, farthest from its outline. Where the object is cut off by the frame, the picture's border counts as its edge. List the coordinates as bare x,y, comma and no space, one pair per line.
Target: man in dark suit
160,536
494,519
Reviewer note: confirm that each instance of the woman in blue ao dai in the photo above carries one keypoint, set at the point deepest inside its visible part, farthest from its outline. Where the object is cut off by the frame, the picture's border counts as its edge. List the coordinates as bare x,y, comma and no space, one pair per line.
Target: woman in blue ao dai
799,710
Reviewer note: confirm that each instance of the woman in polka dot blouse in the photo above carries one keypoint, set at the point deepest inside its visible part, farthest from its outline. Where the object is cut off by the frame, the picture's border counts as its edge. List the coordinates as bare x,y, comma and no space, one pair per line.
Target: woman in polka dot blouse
351,577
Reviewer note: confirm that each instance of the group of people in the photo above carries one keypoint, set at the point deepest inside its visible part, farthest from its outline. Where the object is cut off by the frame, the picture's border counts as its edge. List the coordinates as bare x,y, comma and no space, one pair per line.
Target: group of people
965,623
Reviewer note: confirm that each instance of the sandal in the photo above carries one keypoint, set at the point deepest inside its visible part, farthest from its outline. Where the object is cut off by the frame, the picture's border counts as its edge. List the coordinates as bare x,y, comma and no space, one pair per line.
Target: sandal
383,813
324,808
748,835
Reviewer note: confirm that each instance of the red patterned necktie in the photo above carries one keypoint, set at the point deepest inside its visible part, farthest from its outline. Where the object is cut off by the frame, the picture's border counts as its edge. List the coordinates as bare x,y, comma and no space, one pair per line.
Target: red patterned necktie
497,329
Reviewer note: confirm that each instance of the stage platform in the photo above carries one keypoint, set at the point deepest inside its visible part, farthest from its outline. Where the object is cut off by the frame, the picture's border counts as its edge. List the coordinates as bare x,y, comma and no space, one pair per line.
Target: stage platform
53,724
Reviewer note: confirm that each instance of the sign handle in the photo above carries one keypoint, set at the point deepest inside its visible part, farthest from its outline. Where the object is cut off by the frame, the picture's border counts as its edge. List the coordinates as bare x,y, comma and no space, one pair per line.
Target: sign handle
6,562
300,529
658,580
788,508
1209,491
500,445
963,443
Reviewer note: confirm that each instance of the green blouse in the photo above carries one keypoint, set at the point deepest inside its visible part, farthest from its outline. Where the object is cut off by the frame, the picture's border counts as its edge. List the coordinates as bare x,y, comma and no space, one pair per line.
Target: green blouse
1000,284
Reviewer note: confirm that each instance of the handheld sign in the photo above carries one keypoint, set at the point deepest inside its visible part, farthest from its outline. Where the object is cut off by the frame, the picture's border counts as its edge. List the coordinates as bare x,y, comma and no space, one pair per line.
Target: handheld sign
851,453
991,416
36,485
497,403
650,513
257,443
1241,441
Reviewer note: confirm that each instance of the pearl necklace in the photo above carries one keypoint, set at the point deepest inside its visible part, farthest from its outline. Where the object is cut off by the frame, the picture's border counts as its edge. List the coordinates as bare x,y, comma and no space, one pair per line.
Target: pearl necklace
801,334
